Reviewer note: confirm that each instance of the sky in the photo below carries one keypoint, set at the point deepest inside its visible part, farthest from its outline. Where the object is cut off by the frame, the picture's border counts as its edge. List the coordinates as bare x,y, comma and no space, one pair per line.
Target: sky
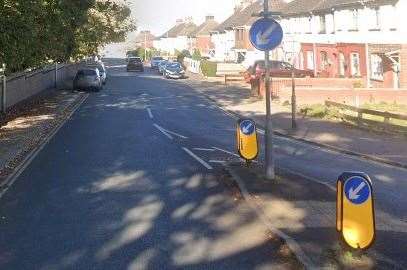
160,15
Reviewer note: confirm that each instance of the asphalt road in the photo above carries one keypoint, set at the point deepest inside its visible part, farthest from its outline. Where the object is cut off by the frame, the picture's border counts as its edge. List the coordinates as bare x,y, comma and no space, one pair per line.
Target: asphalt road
131,181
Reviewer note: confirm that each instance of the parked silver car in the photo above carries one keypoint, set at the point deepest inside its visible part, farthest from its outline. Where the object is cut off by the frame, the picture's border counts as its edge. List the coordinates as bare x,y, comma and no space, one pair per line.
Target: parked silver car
88,79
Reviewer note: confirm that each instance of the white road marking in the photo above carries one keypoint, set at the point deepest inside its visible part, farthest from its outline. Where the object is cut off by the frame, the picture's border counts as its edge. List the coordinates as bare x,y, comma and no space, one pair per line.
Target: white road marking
174,133
189,152
205,149
150,113
217,161
163,131
226,151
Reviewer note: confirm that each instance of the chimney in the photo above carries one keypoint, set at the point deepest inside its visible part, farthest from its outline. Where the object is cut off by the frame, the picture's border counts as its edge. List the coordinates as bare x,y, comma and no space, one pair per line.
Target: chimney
209,18
188,20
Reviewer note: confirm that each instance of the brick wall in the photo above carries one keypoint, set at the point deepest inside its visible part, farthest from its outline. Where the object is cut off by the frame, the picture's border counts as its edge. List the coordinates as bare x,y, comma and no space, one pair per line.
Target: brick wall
403,66
280,83
350,97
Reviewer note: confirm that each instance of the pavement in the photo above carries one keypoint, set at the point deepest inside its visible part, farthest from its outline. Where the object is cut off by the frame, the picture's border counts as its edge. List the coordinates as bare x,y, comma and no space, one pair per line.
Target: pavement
28,125
136,179
235,97
304,212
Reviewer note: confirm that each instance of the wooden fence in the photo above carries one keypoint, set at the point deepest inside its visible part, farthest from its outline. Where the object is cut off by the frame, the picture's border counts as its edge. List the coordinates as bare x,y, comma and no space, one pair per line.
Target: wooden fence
385,125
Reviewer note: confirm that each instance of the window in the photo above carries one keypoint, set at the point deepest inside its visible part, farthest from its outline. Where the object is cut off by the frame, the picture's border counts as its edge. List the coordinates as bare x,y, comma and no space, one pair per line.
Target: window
355,64
341,64
355,20
310,60
376,65
322,26
324,60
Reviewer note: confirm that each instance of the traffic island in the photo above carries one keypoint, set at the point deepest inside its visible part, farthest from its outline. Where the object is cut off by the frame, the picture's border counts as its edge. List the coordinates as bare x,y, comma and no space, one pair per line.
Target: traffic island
303,212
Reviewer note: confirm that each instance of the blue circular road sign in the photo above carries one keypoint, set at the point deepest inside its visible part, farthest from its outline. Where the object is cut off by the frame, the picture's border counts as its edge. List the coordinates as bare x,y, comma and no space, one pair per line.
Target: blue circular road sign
266,34
247,127
357,189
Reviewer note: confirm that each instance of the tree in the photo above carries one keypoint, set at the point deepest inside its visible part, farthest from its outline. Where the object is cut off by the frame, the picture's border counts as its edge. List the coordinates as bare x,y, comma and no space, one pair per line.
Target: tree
37,32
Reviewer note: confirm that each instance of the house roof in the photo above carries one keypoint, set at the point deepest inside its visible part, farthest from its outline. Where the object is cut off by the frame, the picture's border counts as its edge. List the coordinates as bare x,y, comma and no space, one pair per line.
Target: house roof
144,35
329,4
299,7
244,16
205,28
180,29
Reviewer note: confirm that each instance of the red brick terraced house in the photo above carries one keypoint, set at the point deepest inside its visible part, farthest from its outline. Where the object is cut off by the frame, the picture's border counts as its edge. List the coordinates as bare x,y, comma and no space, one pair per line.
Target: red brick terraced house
201,37
348,39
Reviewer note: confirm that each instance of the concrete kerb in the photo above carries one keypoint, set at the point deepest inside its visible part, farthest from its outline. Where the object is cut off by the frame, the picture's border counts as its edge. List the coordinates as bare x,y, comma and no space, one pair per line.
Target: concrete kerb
292,244
12,178
282,133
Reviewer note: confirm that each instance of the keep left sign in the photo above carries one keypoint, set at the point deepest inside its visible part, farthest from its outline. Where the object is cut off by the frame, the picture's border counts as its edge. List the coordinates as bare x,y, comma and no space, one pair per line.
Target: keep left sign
355,209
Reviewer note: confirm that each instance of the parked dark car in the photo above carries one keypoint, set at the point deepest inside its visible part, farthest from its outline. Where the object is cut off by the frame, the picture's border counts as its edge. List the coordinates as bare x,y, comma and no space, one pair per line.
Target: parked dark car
277,69
174,70
155,61
88,79
135,64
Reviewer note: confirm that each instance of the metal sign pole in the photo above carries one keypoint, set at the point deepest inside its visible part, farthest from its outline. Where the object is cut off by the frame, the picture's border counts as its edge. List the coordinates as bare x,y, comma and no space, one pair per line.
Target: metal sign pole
293,101
270,172
4,90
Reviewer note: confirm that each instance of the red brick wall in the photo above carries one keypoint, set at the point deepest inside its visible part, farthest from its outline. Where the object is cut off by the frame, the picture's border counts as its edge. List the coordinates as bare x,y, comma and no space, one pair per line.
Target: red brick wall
350,97
279,83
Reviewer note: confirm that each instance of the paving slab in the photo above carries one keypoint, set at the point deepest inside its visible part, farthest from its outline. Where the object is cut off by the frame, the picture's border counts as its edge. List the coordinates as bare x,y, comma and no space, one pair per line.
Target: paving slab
304,211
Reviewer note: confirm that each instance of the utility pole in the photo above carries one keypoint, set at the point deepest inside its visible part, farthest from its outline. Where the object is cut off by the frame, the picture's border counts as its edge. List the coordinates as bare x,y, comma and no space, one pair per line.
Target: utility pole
270,170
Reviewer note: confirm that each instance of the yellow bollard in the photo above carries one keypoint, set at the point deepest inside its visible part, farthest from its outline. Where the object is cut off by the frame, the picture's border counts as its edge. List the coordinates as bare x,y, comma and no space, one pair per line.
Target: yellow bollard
355,210
246,139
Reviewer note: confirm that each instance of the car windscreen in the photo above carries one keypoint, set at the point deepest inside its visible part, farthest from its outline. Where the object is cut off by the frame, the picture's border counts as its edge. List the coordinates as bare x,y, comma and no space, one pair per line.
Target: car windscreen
157,58
87,72
100,68
173,65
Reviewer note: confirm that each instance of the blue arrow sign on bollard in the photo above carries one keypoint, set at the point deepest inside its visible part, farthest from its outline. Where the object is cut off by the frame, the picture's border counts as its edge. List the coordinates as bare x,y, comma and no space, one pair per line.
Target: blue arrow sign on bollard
247,127
266,34
357,190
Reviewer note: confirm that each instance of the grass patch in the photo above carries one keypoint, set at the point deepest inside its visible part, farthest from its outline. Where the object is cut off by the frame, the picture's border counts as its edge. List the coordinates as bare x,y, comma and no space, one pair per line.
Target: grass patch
332,113
319,111
386,107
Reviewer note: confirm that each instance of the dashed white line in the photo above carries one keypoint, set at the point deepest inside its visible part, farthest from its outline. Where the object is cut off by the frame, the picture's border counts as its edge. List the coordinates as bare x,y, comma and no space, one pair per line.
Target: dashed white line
217,161
163,132
205,149
174,133
150,113
189,152
227,152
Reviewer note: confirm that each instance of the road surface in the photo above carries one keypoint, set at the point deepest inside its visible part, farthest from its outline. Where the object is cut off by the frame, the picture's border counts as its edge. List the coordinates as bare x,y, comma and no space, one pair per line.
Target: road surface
130,182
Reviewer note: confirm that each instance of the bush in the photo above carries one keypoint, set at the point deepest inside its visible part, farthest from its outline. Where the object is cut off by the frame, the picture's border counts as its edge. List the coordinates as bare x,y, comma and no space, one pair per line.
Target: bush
209,68
196,55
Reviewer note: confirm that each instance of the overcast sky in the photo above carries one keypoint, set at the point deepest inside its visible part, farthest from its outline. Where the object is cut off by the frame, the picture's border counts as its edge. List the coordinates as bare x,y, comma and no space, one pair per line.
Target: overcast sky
160,15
